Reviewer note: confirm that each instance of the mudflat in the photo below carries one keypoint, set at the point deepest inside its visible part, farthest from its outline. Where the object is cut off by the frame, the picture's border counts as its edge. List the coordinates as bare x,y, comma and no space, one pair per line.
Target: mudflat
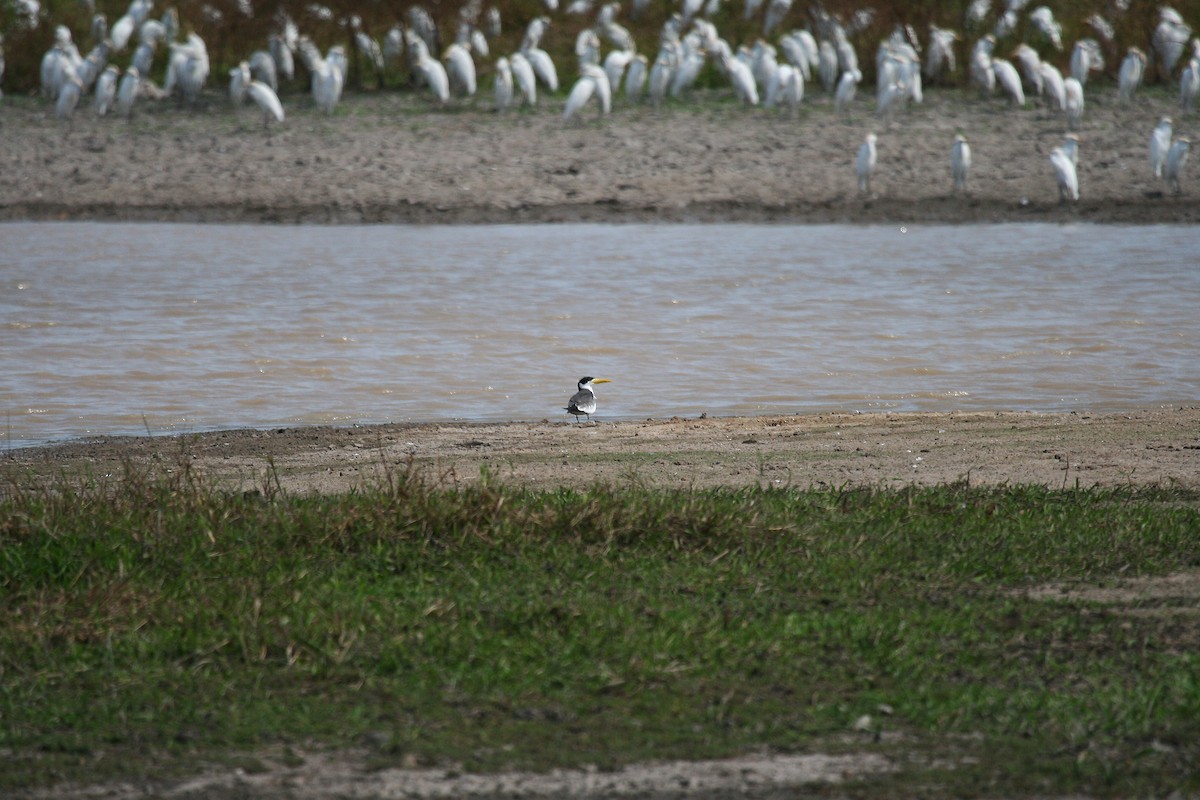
393,157
1140,448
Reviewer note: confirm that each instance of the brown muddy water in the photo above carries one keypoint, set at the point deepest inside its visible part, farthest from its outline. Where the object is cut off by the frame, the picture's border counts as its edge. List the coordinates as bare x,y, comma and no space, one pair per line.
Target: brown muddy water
110,328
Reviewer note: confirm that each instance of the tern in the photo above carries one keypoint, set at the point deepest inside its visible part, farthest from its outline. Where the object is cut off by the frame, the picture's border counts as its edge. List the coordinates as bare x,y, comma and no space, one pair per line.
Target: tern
584,401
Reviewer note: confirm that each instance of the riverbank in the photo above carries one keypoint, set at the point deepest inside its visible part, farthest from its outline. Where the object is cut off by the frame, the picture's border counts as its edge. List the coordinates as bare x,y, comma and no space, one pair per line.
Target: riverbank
392,158
1143,448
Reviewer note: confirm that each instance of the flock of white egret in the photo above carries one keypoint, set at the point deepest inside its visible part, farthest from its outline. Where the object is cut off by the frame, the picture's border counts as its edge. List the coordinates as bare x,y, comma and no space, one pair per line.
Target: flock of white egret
760,73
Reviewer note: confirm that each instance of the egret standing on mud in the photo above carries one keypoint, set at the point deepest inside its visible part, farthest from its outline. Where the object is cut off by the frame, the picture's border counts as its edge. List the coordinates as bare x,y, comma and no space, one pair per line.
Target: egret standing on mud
865,165
960,162
584,401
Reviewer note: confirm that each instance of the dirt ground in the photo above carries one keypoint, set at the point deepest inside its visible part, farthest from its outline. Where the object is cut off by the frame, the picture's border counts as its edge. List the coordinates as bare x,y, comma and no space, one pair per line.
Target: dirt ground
392,157
1149,447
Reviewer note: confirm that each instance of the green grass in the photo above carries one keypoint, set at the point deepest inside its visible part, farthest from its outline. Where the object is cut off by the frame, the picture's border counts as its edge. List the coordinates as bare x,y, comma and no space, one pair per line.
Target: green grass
151,626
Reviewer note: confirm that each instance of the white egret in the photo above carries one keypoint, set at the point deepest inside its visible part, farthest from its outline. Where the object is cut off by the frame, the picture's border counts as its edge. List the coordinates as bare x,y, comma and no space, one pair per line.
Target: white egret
262,69
1160,143
267,100
615,64
1031,67
960,162
1133,67
239,79
127,92
523,75
635,78
460,70
587,47
1041,19
1170,38
742,80
864,166
121,32
68,97
891,100
982,74
1189,84
827,65
543,67
662,74
1086,58
534,32
285,63
1073,102
106,89
592,82
1064,173
583,402
327,84
789,89
1009,80
143,58
1176,158
776,11
1055,87
846,89
503,84
940,54
435,77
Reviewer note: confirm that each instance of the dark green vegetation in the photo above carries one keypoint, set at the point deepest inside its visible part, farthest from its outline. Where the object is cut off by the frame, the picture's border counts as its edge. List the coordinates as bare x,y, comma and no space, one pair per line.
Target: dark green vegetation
149,626
232,35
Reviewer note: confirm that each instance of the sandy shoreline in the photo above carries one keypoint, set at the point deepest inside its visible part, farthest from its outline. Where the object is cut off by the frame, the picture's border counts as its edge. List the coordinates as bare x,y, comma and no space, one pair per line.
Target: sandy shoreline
390,158
1152,447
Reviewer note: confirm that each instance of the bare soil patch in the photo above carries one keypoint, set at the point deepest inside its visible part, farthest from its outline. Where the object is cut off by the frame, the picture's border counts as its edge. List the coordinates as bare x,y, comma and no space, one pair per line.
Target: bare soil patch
1148,447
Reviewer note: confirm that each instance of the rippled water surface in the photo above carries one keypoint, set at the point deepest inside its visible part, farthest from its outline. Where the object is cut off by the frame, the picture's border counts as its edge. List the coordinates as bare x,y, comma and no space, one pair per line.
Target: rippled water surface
129,328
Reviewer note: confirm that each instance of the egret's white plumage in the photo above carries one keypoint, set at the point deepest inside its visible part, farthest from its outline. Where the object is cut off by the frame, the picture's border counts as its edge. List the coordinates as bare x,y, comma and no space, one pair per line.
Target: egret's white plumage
592,82
1053,85
262,69
1064,173
1031,67
846,89
460,70
68,97
982,74
1176,158
127,92
864,165
239,79
543,67
742,80
960,162
327,81
939,56
1130,76
1160,143
1073,102
1009,80
635,78
285,63
615,64
1189,84
503,84
1086,57
583,402
266,99
106,89
524,78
